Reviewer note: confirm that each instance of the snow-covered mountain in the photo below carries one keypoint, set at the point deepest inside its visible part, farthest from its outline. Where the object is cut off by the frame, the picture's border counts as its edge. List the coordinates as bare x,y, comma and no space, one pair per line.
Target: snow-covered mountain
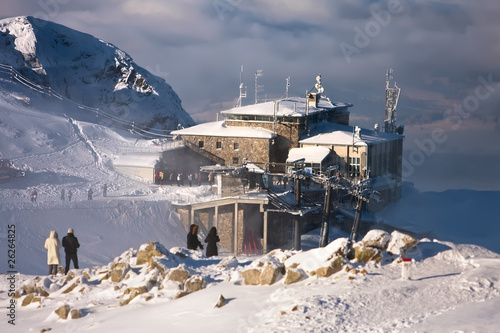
59,70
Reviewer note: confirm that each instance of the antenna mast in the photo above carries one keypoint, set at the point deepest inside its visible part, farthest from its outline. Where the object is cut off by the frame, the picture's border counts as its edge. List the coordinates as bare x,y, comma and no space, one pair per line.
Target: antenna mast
257,86
391,102
242,94
287,85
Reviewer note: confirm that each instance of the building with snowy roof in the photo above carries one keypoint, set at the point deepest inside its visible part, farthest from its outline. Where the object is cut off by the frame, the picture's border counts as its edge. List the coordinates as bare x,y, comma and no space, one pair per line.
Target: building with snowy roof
360,153
263,133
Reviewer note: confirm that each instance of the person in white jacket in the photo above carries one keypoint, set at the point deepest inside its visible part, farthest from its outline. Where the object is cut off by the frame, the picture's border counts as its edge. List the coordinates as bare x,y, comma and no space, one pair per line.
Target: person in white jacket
53,245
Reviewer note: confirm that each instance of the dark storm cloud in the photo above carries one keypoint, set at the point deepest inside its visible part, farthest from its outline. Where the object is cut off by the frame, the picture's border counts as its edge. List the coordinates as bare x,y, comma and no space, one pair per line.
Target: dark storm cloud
437,48
440,52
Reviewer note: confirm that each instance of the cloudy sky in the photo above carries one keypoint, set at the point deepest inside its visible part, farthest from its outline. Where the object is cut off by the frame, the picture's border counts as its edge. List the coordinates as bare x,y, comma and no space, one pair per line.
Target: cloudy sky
445,56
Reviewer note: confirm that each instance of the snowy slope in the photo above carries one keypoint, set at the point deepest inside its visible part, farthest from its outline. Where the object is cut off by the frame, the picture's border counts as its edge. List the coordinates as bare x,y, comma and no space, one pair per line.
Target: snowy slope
81,70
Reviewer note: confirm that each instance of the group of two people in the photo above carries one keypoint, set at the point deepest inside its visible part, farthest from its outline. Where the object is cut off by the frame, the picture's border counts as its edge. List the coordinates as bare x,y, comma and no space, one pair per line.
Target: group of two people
53,245
212,238
71,245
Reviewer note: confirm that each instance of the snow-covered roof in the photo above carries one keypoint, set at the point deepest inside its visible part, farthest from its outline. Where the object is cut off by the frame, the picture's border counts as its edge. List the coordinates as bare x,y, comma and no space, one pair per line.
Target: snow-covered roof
252,167
219,128
290,107
136,160
311,154
326,133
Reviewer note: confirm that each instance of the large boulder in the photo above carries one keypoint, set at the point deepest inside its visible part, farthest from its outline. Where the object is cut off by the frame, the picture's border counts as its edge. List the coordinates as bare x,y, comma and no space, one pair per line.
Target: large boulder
294,275
178,274
400,243
335,266
194,283
147,251
75,314
118,271
72,287
376,238
365,254
251,276
28,299
130,293
316,258
29,286
226,263
63,311
270,274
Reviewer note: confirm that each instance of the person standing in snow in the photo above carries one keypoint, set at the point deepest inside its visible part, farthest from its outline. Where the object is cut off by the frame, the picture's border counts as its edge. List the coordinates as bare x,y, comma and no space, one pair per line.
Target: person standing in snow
89,194
53,245
105,190
190,179
34,195
70,244
211,240
62,194
192,238
70,194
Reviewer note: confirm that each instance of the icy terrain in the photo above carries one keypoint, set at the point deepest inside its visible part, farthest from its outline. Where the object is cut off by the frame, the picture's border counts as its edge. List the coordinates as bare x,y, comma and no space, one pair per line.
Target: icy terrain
83,77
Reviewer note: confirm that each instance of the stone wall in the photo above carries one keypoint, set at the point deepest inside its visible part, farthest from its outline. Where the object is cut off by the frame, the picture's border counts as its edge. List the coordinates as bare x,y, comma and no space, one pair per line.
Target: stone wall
252,149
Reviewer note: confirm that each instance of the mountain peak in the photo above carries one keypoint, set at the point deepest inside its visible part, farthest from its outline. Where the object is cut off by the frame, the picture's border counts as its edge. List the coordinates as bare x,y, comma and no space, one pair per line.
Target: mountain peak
87,71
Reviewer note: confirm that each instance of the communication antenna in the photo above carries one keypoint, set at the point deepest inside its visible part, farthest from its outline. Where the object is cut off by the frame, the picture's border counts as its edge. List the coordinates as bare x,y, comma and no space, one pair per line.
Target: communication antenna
391,102
258,87
287,85
318,86
242,94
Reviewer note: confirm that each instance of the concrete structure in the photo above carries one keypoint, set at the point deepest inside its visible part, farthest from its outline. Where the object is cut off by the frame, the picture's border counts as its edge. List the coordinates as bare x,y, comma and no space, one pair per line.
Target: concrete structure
142,166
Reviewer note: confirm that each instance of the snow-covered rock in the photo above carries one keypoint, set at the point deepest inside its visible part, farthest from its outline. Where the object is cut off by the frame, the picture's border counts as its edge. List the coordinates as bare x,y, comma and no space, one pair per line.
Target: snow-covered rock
294,275
147,251
376,238
365,253
400,243
313,259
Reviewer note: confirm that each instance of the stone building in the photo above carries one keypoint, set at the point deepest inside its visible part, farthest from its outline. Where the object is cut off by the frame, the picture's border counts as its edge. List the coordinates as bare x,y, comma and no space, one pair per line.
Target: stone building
269,135
263,133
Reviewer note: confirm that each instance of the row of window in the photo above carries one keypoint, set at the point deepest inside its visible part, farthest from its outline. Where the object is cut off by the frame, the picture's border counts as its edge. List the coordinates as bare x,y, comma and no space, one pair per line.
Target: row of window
315,117
354,166
218,145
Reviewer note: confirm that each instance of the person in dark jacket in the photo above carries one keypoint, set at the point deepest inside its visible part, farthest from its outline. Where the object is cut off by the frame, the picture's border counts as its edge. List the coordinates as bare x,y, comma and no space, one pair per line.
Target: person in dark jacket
211,240
192,238
70,244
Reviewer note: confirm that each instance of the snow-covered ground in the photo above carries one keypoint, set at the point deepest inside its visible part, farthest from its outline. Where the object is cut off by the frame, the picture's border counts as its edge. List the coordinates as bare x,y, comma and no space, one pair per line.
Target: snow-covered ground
454,287
455,269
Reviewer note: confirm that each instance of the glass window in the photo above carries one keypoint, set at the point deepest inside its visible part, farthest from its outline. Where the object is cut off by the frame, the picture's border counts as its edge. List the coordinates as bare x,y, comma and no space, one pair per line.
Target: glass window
218,145
236,146
235,160
354,166
201,144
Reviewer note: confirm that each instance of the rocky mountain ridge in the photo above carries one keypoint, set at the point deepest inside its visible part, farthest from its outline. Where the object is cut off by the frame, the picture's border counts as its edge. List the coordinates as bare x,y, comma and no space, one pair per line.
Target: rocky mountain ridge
85,74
